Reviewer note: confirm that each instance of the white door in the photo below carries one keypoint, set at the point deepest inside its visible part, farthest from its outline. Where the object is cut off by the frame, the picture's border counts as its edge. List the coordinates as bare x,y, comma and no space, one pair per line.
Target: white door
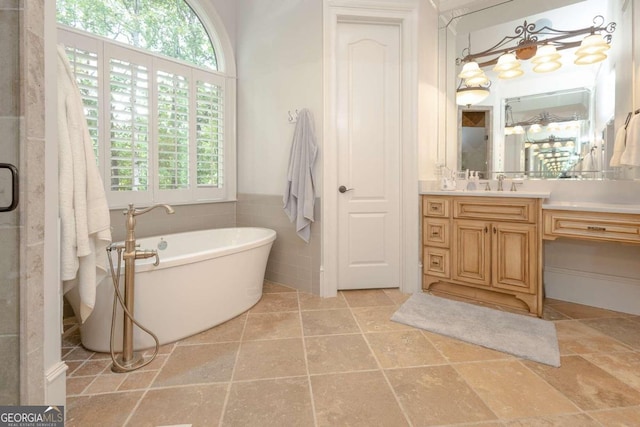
369,142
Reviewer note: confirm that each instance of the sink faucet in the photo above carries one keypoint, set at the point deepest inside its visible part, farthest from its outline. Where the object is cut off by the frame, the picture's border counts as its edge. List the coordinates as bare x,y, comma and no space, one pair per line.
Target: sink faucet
500,181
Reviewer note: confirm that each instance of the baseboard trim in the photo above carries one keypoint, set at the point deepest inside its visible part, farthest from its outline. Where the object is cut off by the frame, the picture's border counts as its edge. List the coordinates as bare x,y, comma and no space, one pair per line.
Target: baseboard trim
598,290
56,384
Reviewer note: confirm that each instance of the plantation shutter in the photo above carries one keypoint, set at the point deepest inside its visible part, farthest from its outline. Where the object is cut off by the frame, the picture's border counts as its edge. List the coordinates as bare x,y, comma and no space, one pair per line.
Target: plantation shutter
209,134
157,125
172,95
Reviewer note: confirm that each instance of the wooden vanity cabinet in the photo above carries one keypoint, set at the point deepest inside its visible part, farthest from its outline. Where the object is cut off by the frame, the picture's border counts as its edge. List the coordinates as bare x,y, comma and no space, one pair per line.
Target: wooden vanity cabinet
486,249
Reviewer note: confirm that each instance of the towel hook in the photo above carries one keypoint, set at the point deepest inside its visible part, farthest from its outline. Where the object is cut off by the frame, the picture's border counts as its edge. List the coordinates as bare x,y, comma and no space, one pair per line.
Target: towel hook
293,118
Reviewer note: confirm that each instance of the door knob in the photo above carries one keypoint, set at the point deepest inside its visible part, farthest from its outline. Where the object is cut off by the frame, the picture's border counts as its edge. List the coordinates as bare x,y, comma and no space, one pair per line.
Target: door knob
344,189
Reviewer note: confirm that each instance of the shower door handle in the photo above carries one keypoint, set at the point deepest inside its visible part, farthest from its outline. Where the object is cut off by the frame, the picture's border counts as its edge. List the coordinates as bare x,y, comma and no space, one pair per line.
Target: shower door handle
14,187
344,189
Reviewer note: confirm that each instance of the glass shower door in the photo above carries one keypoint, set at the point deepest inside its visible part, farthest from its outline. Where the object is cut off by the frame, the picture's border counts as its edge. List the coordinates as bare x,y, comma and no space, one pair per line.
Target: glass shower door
10,42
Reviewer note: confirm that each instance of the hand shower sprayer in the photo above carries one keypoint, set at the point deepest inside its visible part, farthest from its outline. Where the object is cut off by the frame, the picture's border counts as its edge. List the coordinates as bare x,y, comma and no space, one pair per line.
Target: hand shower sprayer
128,360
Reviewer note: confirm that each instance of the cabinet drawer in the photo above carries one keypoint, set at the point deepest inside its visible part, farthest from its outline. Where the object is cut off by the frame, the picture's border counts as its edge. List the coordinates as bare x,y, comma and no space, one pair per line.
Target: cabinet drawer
602,226
435,207
436,262
435,232
495,208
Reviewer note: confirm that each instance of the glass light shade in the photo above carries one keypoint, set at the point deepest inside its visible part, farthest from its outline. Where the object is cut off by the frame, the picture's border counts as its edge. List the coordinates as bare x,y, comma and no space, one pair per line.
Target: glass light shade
546,53
593,43
535,128
553,127
518,130
508,131
541,156
545,67
546,145
590,58
471,95
510,74
557,144
535,148
478,80
506,62
470,69
570,144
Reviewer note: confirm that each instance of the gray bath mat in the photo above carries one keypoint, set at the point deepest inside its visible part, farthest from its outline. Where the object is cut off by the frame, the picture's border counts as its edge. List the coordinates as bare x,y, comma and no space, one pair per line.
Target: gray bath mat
523,336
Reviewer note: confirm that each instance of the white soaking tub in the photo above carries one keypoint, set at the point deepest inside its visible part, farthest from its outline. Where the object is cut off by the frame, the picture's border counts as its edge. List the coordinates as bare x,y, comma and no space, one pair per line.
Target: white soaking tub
204,278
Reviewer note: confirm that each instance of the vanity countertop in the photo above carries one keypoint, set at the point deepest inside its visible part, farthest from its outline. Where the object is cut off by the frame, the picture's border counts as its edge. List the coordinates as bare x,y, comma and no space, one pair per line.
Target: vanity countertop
492,193
593,207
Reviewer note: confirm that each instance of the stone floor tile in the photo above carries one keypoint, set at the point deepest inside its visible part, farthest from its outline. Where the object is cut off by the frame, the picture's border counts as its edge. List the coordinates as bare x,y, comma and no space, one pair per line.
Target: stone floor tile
328,322
111,409
263,326
402,349
338,353
193,364
276,302
367,298
197,405
501,385
587,385
277,402
355,399
270,359
437,395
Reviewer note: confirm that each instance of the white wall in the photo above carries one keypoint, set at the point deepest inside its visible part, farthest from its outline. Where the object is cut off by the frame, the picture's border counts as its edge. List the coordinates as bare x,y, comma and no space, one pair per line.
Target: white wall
226,10
279,63
429,94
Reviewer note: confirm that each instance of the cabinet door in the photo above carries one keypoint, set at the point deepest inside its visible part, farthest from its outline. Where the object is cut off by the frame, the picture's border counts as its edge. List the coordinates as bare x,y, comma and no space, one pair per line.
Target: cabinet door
471,252
514,250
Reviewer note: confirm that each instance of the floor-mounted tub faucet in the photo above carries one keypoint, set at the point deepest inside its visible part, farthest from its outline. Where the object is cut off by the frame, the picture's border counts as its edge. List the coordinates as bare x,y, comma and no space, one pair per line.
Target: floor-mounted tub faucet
128,360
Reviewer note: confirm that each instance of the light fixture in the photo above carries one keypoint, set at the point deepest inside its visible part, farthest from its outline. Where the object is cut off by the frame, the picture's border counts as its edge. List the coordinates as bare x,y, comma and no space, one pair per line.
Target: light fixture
541,46
534,124
471,95
474,85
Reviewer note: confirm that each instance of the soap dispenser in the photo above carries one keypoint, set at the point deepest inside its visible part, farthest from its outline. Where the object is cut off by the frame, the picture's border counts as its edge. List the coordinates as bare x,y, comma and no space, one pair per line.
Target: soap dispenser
472,181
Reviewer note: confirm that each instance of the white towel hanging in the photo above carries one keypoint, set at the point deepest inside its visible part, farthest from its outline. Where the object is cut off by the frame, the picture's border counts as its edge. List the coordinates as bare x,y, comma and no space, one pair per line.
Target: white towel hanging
299,195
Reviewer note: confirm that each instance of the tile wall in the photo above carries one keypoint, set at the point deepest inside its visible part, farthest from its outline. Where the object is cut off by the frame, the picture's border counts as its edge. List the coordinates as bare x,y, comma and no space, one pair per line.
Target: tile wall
10,25
292,261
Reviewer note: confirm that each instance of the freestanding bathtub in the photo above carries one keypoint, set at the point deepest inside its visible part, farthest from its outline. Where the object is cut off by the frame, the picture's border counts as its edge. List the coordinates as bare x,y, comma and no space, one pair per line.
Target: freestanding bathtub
204,278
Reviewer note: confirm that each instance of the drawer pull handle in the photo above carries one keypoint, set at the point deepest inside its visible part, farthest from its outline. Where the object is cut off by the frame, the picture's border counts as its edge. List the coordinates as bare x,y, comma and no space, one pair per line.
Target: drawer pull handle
435,208
594,228
435,262
435,233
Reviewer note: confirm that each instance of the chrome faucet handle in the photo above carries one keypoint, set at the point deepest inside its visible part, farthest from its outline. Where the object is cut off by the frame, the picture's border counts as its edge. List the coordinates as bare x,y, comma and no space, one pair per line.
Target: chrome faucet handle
514,184
487,186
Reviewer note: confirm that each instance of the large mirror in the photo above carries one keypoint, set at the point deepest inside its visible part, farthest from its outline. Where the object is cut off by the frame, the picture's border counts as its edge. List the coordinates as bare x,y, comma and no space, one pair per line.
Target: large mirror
554,124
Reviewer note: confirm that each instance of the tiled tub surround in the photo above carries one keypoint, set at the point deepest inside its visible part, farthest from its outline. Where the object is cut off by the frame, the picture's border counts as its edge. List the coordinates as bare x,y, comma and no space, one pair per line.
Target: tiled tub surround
186,218
292,261
298,360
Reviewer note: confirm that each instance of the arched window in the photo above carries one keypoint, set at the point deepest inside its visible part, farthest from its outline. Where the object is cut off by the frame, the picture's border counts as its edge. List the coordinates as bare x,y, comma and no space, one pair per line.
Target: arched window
154,98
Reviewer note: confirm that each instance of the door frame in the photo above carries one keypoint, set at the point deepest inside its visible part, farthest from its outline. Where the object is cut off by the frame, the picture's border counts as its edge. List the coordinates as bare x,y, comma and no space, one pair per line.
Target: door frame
405,15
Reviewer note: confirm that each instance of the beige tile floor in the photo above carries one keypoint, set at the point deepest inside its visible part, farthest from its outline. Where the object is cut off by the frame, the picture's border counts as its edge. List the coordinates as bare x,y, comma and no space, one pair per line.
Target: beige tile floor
299,360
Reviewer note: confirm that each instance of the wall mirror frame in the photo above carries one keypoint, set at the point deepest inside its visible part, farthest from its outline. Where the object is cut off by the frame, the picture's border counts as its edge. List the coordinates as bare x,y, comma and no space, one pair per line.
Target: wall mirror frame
608,86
